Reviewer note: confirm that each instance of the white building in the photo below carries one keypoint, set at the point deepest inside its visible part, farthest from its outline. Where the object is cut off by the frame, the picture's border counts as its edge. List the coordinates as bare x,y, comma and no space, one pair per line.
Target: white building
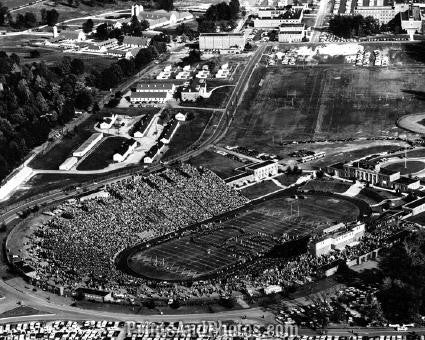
141,128
108,122
181,116
133,42
263,170
72,35
383,14
154,153
150,97
69,163
254,173
222,41
156,86
125,150
169,131
367,171
292,16
196,89
88,144
289,33
411,20
153,92
338,237
162,18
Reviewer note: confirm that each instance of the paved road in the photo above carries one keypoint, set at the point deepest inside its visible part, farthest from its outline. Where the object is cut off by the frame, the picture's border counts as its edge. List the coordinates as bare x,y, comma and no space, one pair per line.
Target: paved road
66,312
320,19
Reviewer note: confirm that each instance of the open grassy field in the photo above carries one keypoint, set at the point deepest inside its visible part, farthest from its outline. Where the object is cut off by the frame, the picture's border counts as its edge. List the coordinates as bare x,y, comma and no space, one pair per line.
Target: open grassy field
231,242
191,131
51,159
260,189
69,12
223,166
21,311
326,186
22,46
374,196
323,103
101,157
411,167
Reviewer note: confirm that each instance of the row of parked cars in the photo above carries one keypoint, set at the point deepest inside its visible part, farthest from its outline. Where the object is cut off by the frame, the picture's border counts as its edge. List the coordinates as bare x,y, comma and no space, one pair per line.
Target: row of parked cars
65,330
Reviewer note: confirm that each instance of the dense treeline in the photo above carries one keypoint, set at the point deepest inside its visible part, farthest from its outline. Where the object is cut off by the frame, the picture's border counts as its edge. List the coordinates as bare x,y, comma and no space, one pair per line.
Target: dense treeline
222,11
402,294
33,99
353,26
28,19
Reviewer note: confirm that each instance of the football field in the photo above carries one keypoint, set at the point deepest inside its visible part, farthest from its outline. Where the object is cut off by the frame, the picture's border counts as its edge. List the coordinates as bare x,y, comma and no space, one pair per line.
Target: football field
251,233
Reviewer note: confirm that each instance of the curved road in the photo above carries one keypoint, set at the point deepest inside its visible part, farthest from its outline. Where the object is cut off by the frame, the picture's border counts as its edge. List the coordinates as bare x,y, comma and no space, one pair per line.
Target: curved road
63,311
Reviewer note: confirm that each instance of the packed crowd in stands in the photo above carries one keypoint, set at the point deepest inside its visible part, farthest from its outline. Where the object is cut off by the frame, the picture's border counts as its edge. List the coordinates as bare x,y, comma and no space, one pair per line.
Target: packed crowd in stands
303,268
77,247
79,250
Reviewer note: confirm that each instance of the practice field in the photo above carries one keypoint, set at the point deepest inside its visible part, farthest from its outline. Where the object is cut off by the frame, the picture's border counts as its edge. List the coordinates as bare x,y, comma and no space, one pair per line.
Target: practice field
410,167
191,132
326,102
251,233
260,189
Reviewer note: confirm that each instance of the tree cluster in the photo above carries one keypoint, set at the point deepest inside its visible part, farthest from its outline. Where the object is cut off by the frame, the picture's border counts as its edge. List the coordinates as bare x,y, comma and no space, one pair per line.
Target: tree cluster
185,30
104,31
4,10
123,68
353,26
33,100
167,5
49,17
30,20
402,293
222,11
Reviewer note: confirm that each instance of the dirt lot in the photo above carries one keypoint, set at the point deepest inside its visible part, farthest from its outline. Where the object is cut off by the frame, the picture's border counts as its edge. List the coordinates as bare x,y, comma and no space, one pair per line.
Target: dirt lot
285,104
